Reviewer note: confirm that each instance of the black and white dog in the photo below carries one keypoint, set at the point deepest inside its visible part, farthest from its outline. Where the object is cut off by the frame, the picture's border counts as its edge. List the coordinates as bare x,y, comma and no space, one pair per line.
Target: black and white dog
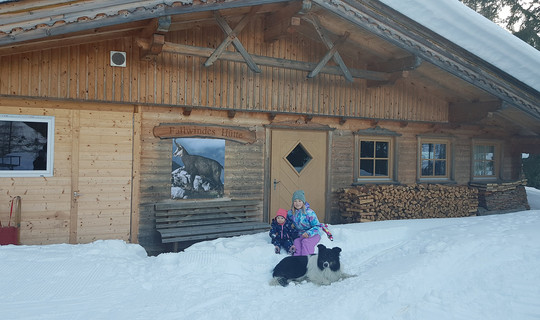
322,268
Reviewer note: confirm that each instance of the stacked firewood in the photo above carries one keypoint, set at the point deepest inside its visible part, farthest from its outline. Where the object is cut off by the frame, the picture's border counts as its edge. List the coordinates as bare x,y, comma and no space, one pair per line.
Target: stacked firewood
499,187
502,196
418,201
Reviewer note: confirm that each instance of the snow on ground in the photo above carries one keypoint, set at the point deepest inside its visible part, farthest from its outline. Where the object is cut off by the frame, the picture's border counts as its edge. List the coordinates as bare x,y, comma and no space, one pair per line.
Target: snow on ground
533,195
484,267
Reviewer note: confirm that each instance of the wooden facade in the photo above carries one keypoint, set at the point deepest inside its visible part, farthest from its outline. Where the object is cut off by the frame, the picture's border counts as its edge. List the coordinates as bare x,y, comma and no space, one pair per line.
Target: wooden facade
110,169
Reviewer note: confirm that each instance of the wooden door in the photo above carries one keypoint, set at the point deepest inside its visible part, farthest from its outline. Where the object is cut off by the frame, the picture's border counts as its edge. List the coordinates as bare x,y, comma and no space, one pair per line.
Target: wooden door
101,177
298,161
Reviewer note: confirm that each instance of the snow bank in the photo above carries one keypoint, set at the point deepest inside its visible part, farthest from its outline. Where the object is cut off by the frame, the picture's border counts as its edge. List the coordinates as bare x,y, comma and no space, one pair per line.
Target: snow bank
461,268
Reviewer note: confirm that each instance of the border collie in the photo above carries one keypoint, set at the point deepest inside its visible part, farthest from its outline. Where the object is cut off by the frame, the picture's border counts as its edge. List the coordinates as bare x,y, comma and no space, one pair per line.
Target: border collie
322,268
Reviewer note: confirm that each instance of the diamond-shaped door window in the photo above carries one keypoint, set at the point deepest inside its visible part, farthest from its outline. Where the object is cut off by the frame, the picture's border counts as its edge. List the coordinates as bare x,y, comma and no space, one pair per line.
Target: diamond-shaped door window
299,157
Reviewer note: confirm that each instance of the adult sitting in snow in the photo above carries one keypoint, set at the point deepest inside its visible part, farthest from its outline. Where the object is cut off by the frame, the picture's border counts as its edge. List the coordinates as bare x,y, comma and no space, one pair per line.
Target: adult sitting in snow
307,224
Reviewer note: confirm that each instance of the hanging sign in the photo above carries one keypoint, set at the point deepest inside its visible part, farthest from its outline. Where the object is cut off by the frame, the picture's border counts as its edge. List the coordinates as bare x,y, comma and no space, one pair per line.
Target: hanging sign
237,134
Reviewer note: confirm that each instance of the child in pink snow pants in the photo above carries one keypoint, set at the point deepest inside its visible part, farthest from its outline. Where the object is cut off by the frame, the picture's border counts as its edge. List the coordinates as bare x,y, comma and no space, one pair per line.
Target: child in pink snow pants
307,224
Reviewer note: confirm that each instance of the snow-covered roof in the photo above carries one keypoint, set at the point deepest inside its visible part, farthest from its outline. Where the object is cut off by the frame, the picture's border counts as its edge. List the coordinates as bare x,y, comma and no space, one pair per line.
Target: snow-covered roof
461,25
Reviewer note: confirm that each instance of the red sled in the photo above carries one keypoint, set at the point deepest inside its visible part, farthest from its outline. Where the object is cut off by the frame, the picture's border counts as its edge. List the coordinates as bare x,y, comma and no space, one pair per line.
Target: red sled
9,234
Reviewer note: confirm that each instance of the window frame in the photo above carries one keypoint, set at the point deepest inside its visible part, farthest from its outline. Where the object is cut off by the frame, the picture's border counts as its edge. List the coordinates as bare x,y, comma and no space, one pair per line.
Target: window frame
391,158
49,155
497,159
449,159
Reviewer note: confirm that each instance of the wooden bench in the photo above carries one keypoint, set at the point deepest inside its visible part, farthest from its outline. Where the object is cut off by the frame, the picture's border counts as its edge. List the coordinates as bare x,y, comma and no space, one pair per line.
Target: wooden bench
203,220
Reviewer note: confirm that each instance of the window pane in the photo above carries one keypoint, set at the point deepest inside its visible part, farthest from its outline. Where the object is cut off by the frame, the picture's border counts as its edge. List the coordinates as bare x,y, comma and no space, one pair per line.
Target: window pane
427,167
381,167
440,151
490,168
366,149
299,157
427,151
366,168
484,160
478,152
440,168
478,168
490,152
381,150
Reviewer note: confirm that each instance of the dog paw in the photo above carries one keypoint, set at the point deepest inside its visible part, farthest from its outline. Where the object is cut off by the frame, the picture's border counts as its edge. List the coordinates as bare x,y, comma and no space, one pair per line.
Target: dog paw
283,282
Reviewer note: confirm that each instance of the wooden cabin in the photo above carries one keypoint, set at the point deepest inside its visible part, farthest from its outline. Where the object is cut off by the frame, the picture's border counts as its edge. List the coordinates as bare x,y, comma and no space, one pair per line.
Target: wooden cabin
100,99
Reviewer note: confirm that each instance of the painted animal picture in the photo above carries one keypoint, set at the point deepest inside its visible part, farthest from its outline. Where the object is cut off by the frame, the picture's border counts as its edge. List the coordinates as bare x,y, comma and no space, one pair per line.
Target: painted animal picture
196,175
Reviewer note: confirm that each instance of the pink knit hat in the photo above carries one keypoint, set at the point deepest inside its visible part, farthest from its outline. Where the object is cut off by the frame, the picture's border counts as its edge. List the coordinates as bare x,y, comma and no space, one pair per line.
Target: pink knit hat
282,212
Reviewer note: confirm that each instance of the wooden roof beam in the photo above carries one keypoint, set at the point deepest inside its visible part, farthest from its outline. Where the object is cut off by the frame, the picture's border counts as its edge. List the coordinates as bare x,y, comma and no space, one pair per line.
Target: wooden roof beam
232,38
263,60
332,47
155,32
159,25
332,54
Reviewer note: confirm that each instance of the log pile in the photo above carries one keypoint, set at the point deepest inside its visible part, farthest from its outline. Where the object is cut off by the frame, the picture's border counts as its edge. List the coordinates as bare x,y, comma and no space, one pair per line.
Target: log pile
499,187
502,196
418,201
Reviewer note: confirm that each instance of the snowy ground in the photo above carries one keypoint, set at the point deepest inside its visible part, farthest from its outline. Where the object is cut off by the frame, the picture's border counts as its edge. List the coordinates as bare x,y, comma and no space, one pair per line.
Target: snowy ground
462,268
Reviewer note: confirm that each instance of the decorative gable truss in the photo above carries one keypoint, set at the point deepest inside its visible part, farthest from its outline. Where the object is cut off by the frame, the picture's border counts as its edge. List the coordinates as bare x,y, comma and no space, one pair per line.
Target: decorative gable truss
278,23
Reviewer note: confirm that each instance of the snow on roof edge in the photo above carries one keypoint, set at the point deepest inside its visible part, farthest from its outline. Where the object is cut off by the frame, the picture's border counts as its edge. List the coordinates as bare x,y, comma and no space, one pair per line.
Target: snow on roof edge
470,30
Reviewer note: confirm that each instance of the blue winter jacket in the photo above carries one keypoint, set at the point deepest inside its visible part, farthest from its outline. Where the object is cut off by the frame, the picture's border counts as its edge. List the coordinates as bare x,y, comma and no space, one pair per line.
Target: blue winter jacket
305,222
283,235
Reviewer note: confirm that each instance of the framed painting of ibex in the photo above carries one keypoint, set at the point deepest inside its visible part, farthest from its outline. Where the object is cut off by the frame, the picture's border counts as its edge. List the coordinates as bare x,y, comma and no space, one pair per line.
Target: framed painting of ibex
197,168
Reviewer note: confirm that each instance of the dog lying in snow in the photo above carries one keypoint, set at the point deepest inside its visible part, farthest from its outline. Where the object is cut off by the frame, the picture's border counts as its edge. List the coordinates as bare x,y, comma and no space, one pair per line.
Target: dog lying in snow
321,268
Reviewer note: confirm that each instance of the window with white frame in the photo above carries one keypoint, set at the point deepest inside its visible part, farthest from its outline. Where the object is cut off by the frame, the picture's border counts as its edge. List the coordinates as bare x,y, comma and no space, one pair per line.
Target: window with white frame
26,145
485,161
434,158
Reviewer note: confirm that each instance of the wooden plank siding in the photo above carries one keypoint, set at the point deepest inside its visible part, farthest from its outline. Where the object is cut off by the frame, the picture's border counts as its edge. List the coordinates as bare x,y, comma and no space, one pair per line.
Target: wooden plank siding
105,169
93,156
83,72
45,201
